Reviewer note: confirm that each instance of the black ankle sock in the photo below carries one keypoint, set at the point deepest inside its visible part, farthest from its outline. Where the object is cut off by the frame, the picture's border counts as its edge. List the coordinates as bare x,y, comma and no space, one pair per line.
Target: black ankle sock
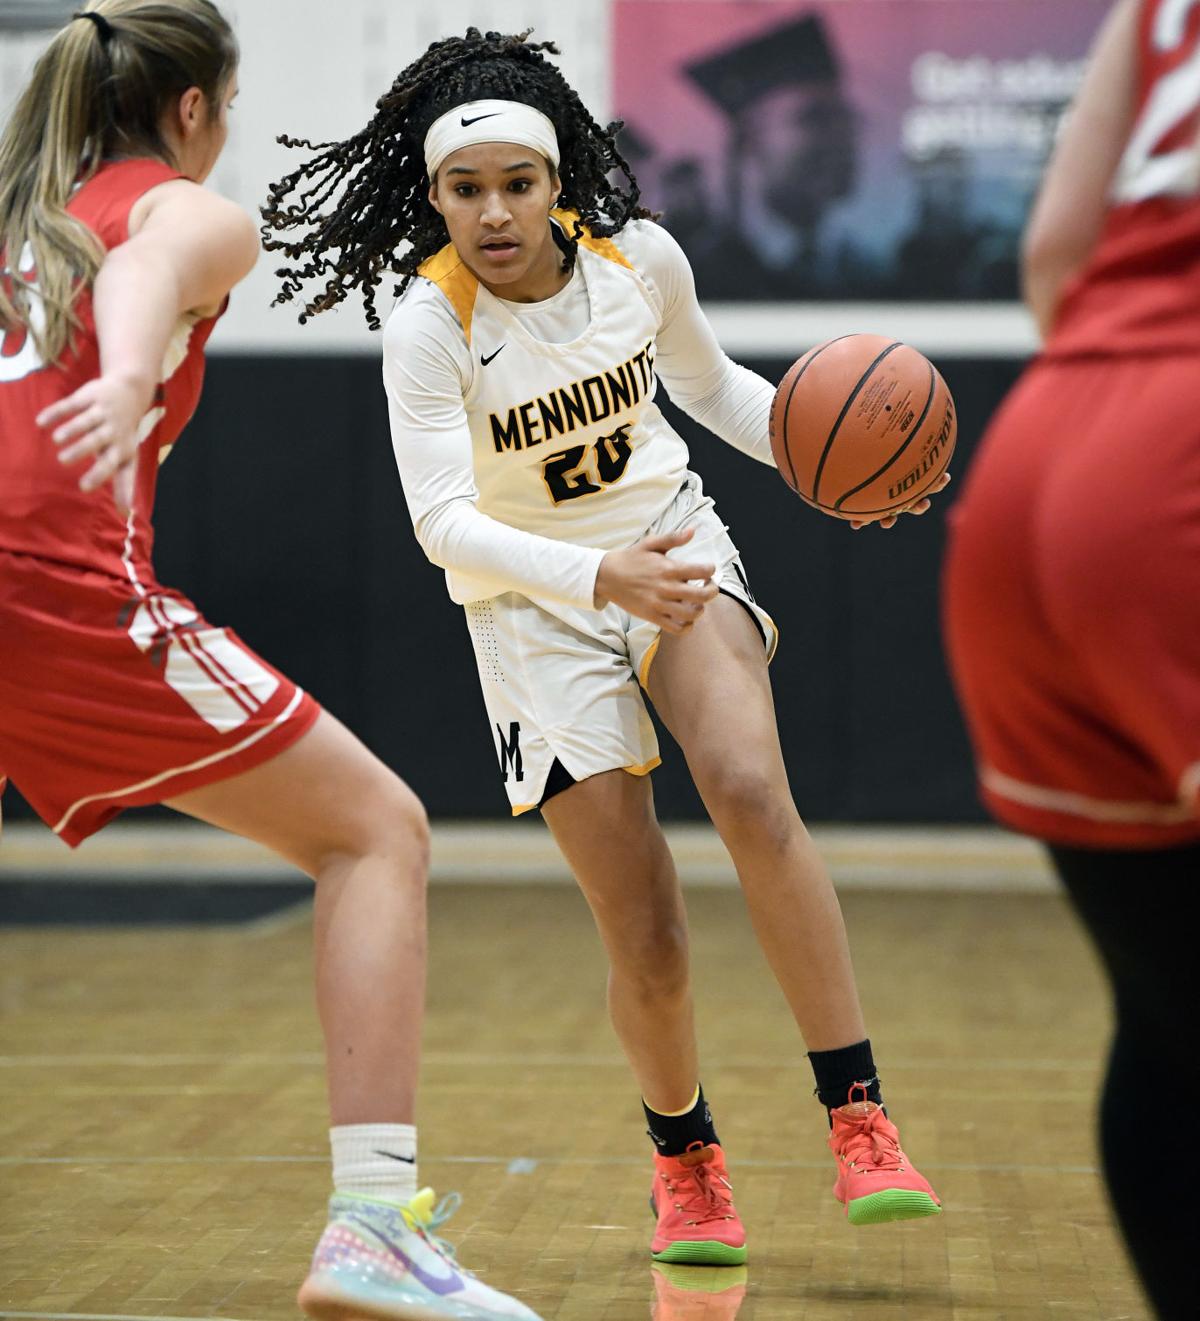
836,1071
673,1134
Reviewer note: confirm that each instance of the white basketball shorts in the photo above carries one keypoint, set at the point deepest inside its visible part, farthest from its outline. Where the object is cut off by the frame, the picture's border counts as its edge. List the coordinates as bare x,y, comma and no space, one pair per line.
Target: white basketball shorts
565,684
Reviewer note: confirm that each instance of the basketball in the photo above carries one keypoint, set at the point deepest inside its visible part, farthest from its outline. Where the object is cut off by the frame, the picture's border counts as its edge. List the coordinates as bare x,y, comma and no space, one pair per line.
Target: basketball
862,426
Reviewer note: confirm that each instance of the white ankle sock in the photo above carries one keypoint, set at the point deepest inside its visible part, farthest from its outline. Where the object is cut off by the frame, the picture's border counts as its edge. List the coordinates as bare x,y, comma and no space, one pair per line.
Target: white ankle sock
375,1160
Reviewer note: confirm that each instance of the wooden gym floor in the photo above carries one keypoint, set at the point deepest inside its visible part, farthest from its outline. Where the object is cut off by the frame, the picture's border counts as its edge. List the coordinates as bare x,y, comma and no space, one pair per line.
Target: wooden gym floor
162,1123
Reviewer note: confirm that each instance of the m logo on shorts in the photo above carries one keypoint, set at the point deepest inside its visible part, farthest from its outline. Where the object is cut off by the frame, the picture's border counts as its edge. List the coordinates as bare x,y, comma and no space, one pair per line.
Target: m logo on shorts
510,752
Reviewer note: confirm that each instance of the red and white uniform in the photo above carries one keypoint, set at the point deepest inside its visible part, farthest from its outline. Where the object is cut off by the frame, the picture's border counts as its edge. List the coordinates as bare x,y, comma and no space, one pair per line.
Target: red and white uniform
1073,583
114,691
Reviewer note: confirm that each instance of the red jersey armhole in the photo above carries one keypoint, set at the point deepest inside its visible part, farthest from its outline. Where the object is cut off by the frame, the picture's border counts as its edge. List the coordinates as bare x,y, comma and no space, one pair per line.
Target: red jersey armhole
104,202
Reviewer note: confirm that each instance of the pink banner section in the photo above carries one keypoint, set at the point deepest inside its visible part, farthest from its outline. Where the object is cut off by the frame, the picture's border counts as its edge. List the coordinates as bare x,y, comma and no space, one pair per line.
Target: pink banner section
829,149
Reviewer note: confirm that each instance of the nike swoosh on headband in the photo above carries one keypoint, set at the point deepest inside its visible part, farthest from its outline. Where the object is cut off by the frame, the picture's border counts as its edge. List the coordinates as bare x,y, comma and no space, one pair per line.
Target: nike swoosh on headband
491,114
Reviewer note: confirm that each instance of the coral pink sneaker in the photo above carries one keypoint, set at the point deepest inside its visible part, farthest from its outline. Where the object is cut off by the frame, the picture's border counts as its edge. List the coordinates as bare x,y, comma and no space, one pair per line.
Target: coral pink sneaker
876,1181
693,1200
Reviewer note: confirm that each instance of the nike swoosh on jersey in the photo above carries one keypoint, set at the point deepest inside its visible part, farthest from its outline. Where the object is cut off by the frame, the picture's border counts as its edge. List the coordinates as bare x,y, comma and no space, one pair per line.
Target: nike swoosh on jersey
391,1155
483,361
491,114
438,1284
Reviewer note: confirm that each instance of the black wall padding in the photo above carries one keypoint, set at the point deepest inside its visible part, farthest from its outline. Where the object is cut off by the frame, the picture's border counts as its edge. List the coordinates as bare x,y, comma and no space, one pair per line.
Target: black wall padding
281,514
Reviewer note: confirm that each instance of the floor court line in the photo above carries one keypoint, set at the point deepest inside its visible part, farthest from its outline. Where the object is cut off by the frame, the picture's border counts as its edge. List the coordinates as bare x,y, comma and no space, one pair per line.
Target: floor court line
472,1060
518,1164
103,1316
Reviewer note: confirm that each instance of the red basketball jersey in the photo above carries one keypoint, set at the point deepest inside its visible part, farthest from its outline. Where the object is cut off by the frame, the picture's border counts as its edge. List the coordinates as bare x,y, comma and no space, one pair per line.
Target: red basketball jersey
1140,292
42,510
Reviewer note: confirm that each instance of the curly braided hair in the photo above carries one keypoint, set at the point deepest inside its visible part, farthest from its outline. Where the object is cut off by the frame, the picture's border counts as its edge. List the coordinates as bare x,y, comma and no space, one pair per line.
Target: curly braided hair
379,179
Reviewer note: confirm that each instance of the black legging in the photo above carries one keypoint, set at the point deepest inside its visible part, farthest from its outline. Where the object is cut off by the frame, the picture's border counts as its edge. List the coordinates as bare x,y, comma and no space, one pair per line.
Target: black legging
1134,905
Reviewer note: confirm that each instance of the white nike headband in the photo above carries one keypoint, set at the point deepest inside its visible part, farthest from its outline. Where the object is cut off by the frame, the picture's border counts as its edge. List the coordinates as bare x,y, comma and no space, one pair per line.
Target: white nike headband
489,121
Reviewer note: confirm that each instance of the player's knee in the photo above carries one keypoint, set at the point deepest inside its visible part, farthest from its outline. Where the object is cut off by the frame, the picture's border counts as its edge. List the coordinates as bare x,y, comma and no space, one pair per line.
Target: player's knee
747,803
388,822
653,964
403,825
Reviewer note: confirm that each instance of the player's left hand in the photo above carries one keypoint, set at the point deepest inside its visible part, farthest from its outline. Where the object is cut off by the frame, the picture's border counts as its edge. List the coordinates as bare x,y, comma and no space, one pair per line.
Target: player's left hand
917,507
101,421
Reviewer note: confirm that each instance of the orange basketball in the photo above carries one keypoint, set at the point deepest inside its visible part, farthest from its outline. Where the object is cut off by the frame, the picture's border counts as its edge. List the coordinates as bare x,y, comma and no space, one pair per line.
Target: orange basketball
862,426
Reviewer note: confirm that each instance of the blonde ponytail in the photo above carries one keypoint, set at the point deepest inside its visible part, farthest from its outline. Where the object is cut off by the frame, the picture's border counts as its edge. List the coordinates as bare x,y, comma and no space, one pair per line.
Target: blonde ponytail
99,90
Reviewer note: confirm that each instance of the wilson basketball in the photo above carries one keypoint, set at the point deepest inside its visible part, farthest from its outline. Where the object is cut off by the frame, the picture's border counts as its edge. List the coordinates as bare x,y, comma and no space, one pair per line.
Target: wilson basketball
862,426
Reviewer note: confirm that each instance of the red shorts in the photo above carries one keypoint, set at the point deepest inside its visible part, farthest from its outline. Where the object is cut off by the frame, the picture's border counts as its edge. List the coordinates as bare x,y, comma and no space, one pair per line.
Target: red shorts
1072,603
113,696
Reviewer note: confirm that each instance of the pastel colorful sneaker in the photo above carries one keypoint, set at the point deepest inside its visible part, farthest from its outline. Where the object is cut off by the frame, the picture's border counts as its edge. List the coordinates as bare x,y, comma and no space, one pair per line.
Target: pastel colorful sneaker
693,1200
876,1181
380,1262
697,1293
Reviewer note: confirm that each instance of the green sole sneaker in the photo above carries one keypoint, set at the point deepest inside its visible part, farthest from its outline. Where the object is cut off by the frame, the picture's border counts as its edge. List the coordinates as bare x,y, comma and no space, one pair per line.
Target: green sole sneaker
891,1204
692,1200
687,1253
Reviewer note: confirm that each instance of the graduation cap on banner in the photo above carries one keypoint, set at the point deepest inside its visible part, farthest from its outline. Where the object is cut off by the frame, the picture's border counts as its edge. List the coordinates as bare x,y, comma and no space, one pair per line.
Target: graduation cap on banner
796,52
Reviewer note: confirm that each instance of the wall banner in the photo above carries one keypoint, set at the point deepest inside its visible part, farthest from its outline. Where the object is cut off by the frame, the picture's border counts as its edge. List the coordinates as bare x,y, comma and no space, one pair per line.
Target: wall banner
846,149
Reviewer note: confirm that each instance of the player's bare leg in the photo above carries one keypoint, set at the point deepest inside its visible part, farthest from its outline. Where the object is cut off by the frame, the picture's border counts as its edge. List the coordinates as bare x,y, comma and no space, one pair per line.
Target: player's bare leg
711,688
610,837
609,834
333,809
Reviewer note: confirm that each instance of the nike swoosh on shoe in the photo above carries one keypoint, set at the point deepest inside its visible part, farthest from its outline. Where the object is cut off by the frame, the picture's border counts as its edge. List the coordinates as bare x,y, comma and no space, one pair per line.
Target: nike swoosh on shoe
440,1285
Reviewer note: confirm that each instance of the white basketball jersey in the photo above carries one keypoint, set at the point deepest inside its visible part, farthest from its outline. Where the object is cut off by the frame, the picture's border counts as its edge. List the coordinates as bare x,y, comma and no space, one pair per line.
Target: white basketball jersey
566,439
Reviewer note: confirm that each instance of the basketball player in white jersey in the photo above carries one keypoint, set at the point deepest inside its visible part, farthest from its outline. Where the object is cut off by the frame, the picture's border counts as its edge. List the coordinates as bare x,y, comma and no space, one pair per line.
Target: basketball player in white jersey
540,308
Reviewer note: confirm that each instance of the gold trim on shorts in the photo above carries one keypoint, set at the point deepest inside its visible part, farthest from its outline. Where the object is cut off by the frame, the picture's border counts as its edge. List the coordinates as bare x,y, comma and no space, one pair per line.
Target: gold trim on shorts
643,769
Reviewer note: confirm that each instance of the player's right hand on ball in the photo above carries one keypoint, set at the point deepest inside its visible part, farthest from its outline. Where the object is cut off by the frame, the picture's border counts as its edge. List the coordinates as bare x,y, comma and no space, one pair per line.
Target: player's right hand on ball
918,507
649,584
